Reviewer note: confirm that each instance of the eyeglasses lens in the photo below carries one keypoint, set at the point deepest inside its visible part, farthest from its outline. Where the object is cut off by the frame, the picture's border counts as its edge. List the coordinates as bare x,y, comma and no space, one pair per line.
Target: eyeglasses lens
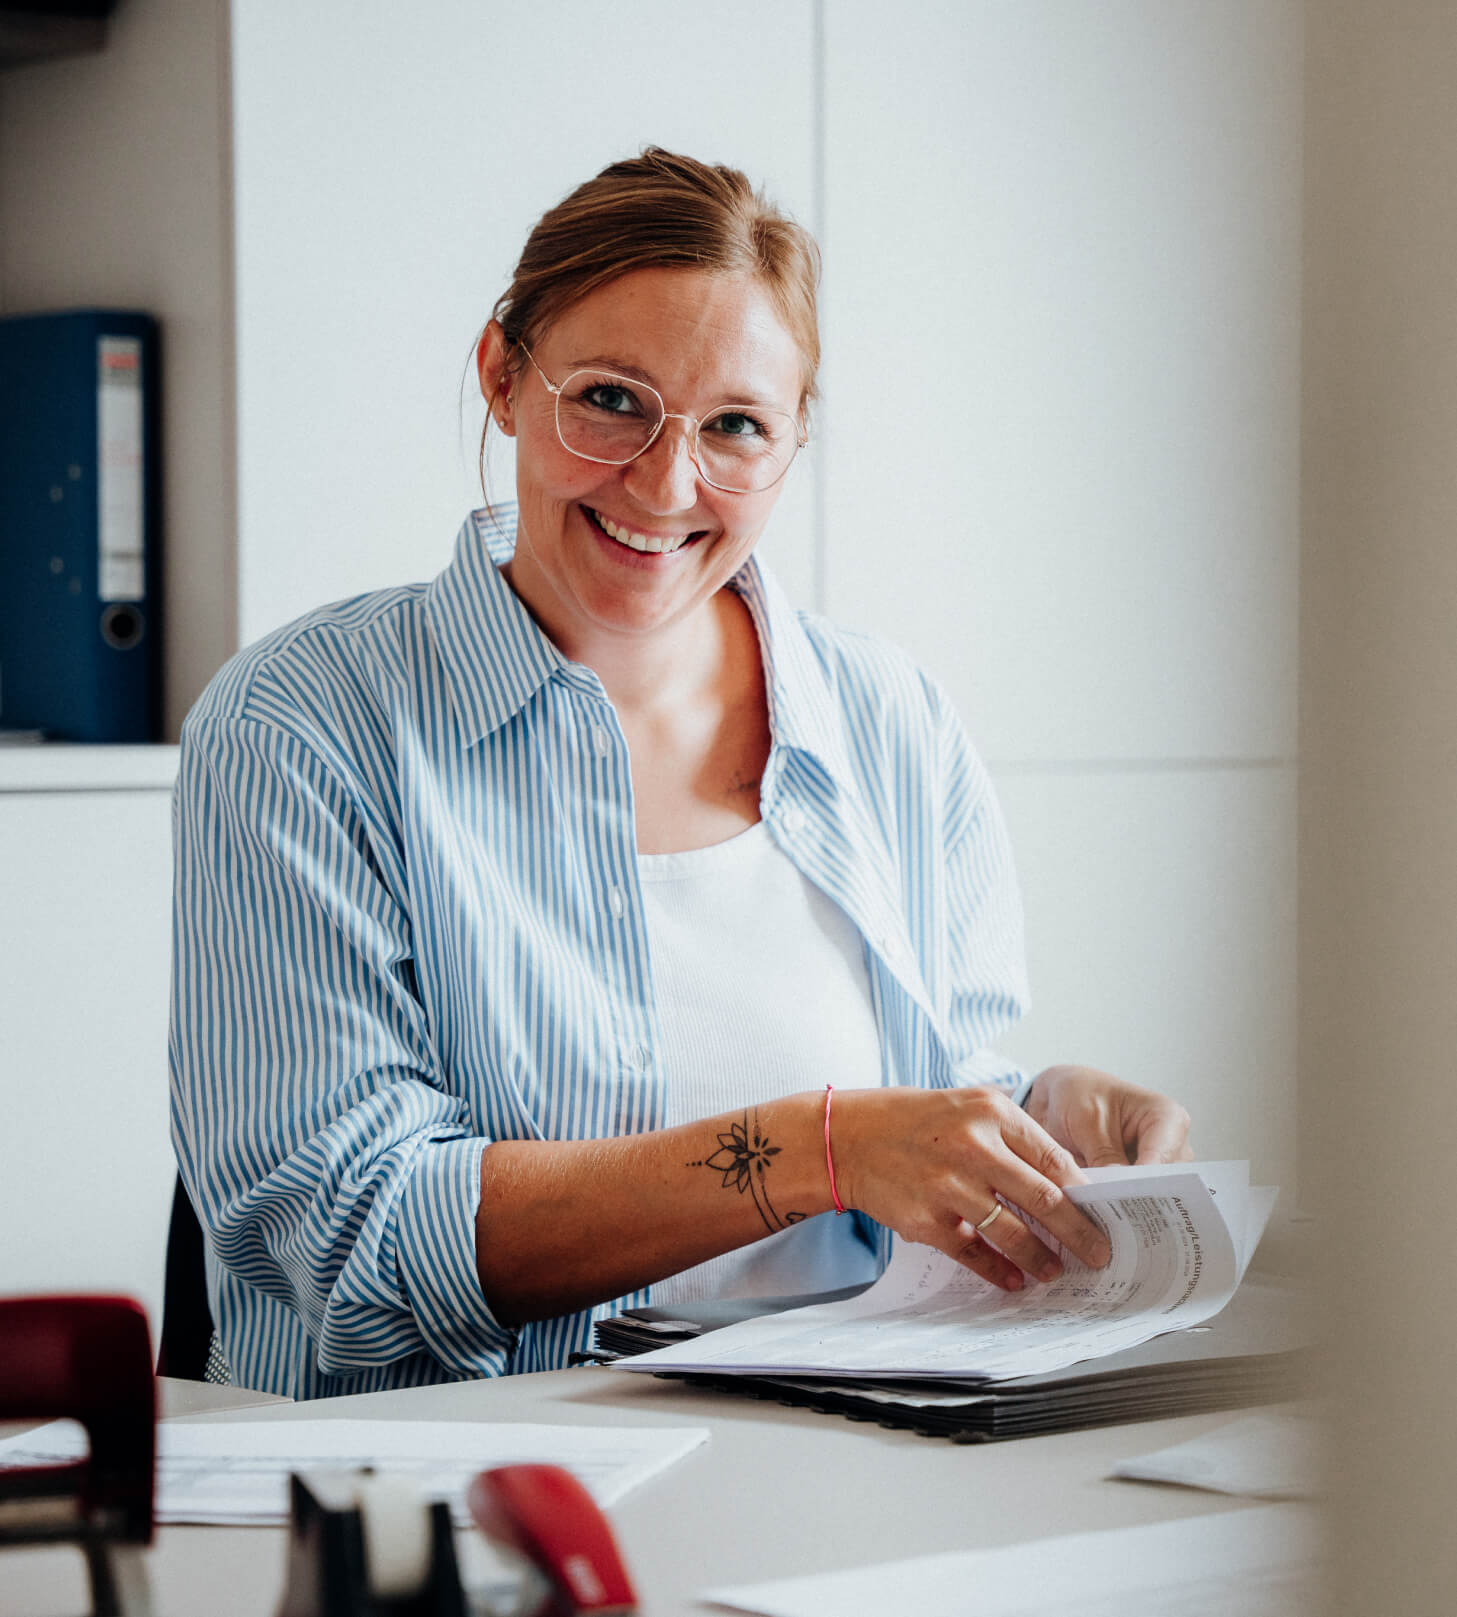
612,419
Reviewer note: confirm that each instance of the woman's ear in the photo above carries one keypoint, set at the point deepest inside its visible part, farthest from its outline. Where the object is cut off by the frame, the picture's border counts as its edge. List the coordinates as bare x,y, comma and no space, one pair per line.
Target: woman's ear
495,376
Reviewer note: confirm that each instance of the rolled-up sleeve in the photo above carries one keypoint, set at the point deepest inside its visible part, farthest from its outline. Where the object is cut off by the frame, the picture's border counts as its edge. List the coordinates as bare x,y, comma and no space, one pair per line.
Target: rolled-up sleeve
329,1164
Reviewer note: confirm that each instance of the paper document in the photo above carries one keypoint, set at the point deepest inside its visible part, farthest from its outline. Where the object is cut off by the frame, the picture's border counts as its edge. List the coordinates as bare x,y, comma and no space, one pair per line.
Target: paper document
237,1471
1246,1208
1265,1456
1175,1262
1262,1562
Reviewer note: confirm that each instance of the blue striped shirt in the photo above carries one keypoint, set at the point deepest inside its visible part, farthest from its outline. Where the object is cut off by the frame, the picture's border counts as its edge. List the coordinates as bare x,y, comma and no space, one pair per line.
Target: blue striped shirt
407,922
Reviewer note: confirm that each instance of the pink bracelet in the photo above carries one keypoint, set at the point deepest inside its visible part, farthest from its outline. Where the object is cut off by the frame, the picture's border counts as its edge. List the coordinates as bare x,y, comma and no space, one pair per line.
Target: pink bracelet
829,1158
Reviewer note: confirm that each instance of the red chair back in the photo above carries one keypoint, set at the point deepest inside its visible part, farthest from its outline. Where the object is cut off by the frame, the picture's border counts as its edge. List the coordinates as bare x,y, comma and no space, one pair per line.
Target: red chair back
87,1359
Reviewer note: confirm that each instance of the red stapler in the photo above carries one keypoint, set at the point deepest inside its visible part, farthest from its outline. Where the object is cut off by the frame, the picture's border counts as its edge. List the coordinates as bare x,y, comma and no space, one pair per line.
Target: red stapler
545,1514
366,1545
87,1359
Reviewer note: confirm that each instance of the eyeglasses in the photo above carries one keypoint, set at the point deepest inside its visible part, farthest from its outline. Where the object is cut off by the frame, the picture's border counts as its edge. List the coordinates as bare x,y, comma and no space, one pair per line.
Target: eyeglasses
612,419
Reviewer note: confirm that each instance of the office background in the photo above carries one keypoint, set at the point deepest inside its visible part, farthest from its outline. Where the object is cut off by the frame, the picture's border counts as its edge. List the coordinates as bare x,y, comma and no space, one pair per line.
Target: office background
1137,428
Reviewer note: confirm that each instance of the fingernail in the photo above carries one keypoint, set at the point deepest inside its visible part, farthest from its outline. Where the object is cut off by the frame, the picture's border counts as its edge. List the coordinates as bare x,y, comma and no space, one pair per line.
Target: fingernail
1102,1255
1049,1270
1014,1280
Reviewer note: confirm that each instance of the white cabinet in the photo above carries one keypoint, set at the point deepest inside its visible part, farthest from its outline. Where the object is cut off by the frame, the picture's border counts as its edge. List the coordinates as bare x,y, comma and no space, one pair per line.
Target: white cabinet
86,1166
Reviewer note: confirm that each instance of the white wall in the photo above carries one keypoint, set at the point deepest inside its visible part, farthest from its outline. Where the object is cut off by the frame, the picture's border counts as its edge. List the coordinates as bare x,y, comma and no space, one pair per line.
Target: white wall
1161,916
388,168
1062,463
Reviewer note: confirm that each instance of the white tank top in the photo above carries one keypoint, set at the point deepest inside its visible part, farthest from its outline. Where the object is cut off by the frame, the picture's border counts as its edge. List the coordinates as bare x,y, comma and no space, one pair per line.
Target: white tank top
762,991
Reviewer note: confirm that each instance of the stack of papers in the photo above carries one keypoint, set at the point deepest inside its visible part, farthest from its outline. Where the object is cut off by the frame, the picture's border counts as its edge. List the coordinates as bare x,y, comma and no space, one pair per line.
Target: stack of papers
1166,1329
1181,1237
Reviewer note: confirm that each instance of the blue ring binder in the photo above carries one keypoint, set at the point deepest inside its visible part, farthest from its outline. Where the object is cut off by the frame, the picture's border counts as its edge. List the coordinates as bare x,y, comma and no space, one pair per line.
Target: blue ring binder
80,540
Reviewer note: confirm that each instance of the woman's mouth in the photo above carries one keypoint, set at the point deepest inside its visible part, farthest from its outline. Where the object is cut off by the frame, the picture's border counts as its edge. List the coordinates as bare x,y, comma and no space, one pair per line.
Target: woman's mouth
652,544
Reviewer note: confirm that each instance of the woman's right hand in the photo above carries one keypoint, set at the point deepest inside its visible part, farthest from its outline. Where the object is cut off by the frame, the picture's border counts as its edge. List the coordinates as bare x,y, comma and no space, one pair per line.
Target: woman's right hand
932,1164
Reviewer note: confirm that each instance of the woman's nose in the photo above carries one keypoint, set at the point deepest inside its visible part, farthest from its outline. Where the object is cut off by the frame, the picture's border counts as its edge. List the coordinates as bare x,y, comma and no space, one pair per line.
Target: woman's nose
664,478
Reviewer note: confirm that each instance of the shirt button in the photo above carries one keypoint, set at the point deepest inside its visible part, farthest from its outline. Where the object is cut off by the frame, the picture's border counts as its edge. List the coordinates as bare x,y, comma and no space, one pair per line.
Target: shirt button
793,822
616,902
639,1055
600,742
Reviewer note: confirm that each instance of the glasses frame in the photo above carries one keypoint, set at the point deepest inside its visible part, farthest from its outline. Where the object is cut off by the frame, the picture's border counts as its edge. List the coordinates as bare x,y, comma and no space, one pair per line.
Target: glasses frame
801,437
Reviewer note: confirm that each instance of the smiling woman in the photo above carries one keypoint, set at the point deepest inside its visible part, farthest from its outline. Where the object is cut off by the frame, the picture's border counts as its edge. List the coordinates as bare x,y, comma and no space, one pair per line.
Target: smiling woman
588,924
613,546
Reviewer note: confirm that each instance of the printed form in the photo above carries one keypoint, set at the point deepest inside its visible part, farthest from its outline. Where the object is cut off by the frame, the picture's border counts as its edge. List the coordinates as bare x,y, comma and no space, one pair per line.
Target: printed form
1176,1261
237,1471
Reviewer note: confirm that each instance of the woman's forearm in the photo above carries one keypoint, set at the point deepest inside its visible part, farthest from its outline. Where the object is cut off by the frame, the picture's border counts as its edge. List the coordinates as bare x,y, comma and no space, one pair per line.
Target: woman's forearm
564,1224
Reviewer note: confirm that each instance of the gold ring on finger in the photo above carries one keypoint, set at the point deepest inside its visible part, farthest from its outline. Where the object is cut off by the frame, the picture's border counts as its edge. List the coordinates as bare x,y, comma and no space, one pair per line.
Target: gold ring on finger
990,1219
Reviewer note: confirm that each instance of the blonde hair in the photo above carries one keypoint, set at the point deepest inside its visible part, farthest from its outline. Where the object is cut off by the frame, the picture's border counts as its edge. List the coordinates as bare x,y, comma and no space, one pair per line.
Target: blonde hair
657,211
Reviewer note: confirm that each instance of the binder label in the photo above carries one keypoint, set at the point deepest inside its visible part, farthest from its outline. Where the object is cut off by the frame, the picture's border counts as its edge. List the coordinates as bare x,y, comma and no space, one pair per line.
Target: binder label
122,547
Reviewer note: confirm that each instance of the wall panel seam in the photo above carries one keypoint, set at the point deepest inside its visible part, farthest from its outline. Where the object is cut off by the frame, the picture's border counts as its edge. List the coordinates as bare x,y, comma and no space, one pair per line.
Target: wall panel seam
818,135
1135,766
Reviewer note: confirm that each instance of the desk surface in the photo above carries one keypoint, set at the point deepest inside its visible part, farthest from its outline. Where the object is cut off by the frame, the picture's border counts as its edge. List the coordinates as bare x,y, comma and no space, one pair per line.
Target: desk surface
775,1493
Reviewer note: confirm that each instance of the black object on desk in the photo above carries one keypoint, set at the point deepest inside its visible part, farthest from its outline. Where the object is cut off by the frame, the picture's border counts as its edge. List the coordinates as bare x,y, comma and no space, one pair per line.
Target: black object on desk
1255,1351
334,1568
365,1545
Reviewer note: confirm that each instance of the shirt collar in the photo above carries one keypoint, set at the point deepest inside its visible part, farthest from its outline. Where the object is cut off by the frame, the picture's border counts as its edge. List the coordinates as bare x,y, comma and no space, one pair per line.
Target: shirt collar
494,655
802,711
496,658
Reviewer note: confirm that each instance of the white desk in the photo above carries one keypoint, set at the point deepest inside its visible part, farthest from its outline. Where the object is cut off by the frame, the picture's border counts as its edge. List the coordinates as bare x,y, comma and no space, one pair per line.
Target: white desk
775,1493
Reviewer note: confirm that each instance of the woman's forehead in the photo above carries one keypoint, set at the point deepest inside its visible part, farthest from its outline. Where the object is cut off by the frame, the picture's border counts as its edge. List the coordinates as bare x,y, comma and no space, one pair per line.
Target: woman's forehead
683,329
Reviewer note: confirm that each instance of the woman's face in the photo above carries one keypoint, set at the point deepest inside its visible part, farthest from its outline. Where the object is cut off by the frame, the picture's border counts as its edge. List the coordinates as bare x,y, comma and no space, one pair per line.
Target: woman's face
701,339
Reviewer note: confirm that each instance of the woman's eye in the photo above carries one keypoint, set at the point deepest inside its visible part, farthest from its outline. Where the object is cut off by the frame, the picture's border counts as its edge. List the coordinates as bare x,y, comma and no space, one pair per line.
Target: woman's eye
735,424
610,397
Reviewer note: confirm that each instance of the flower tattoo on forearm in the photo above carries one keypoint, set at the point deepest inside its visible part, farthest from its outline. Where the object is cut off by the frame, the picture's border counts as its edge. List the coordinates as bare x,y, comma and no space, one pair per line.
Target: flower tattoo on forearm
744,1157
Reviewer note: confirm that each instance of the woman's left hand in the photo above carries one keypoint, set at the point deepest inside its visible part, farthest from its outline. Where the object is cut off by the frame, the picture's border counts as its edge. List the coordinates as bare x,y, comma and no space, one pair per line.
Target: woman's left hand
1104,1121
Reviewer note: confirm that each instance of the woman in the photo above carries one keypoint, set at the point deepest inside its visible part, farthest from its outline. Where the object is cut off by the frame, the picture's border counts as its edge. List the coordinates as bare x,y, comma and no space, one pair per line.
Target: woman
587,922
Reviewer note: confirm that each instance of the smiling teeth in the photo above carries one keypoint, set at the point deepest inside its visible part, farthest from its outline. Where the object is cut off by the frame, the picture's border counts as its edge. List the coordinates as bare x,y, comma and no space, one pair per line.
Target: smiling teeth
651,544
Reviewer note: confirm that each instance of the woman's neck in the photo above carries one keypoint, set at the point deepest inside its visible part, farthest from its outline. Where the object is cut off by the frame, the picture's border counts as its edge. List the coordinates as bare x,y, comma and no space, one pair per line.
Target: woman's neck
699,656
702,655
